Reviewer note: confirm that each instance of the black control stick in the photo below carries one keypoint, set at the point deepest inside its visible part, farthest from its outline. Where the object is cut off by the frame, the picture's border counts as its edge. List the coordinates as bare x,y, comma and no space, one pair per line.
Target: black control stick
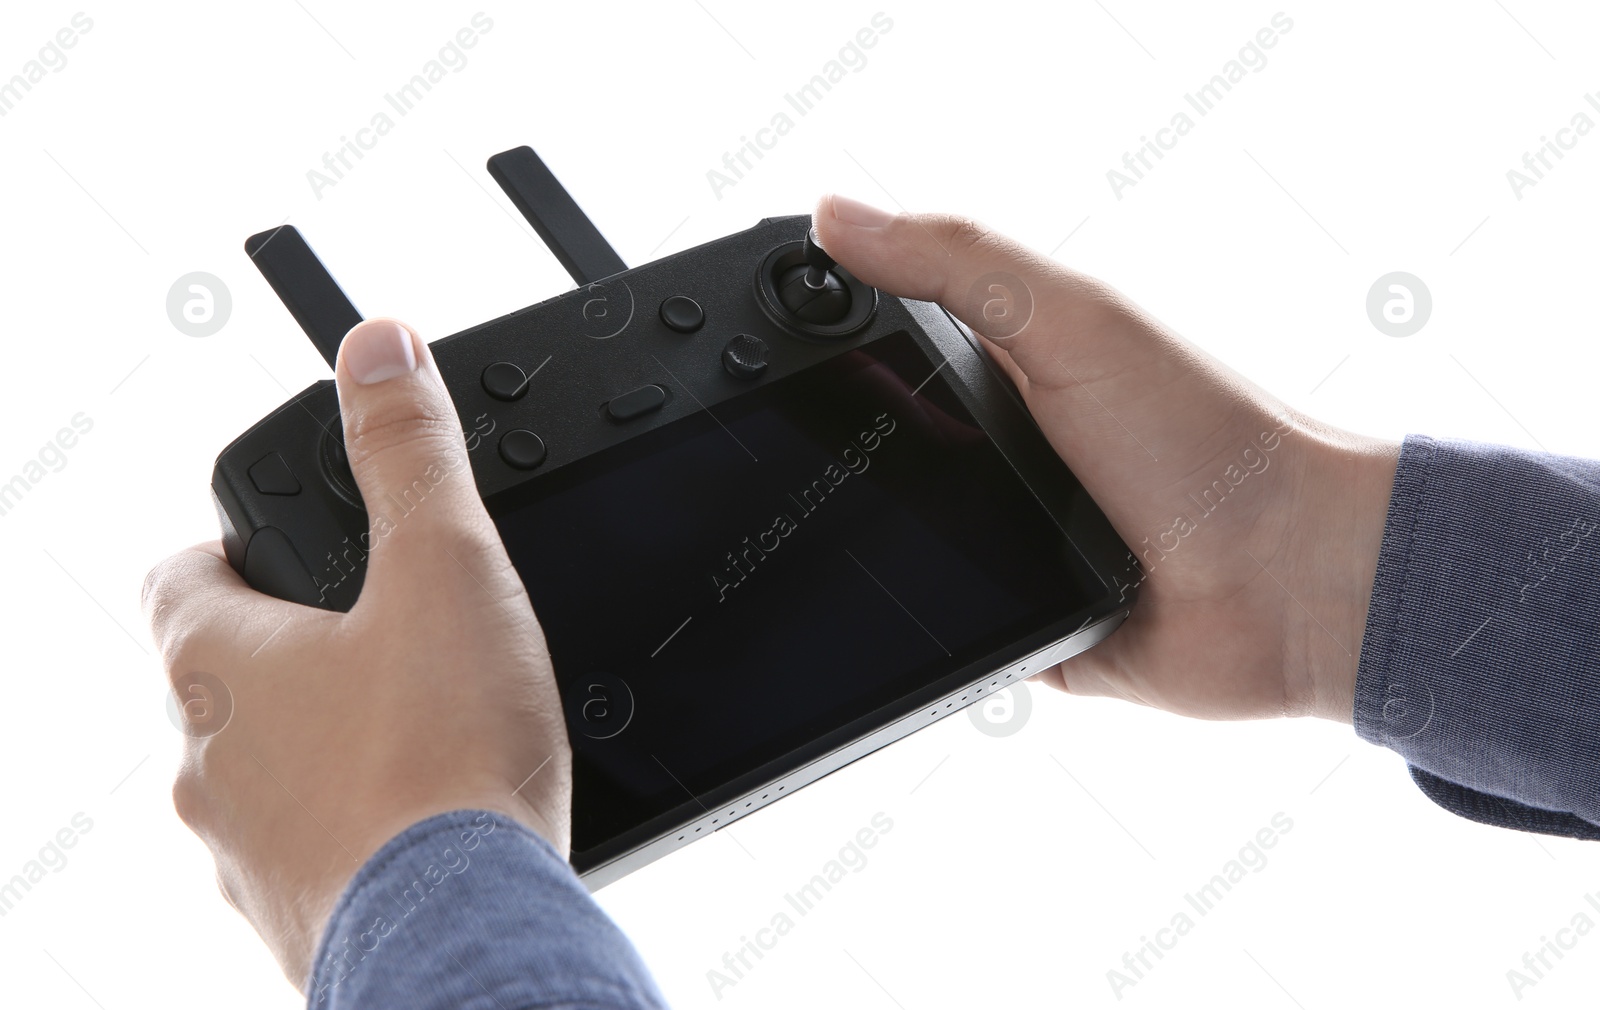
812,290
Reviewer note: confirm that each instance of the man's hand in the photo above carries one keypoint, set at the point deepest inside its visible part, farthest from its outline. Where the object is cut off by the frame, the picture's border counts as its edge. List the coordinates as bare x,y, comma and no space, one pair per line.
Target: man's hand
1259,527
434,693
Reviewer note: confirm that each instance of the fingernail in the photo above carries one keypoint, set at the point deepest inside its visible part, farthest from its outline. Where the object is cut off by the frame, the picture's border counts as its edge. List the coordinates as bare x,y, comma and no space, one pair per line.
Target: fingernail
862,215
378,349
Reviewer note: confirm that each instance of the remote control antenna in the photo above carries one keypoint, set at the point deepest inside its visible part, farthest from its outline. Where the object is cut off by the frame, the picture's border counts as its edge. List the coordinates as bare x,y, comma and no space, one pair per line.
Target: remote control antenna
304,286
558,219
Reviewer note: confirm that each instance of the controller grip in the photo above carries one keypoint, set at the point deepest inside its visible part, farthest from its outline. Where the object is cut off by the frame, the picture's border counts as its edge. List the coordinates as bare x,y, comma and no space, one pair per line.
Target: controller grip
287,529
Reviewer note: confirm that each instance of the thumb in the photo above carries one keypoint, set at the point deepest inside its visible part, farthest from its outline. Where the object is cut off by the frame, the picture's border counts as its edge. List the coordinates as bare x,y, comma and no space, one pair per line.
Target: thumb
406,450
1024,303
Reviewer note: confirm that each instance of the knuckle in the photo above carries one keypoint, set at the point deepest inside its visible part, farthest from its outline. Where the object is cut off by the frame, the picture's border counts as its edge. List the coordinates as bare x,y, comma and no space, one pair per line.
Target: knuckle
414,436
481,553
187,799
155,591
177,655
962,235
147,589
180,648
225,888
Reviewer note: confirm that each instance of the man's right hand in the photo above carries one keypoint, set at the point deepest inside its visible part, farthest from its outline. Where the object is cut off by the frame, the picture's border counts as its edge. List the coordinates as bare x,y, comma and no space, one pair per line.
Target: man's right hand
1254,599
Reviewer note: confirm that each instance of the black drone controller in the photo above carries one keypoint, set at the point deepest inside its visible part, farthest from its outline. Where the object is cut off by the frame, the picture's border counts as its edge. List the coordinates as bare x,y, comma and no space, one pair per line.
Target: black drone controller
770,519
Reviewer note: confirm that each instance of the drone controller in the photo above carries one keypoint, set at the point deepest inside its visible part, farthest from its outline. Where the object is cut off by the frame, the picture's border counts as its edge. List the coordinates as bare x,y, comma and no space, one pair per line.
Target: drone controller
770,518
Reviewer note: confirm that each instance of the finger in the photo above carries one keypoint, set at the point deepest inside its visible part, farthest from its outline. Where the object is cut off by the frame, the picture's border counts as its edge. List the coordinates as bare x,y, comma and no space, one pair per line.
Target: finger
1096,673
407,453
1058,326
197,605
1002,357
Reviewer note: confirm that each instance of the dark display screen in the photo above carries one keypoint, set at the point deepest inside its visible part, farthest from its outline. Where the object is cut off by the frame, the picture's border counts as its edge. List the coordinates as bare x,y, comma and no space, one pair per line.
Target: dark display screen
729,587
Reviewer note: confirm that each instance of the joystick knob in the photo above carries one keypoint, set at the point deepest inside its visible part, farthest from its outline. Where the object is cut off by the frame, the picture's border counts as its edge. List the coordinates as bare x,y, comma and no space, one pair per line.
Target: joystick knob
811,290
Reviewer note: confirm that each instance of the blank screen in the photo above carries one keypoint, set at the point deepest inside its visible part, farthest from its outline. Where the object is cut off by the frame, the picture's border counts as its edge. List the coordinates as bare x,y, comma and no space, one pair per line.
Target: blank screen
730,586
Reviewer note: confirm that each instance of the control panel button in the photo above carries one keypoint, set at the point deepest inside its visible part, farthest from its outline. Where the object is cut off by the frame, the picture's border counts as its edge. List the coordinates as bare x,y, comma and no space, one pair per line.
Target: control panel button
336,462
271,475
745,357
682,313
504,381
522,449
272,565
636,403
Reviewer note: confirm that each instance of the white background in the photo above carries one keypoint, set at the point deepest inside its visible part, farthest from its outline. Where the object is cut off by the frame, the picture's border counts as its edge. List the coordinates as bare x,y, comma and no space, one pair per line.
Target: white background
1377,138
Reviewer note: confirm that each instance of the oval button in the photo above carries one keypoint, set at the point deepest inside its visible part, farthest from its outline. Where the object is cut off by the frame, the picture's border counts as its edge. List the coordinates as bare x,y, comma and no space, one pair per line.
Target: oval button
636,403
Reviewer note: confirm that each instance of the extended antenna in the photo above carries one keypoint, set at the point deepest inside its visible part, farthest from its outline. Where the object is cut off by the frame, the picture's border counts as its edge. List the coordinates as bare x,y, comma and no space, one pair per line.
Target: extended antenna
558,219
304,286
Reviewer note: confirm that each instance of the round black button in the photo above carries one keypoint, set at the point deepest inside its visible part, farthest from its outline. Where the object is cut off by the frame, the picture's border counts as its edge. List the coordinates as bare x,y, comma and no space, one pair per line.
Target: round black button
682,313
504,381
522,449
745,357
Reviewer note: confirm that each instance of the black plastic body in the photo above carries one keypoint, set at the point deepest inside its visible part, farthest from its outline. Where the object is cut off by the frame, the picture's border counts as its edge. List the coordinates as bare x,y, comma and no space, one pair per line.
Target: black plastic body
590,345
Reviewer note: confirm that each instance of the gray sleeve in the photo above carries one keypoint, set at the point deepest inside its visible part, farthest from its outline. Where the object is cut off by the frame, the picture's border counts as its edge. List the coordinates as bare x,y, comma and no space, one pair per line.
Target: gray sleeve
471,911
1479,660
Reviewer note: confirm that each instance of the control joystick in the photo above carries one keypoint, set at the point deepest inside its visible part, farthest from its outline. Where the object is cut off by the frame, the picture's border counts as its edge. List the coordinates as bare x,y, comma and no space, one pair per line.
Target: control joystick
802,289
811,290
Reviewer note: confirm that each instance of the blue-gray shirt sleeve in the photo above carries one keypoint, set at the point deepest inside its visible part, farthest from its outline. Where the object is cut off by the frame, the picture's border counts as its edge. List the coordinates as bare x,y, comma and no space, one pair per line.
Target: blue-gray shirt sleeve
1479,662
472,911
